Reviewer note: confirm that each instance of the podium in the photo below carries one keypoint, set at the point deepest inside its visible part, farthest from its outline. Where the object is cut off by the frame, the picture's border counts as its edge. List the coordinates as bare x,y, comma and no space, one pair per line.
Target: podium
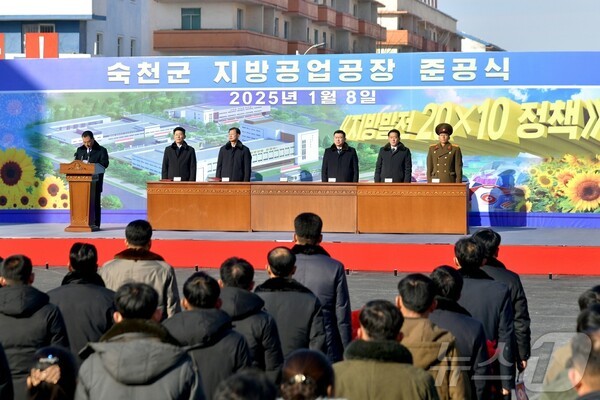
82,178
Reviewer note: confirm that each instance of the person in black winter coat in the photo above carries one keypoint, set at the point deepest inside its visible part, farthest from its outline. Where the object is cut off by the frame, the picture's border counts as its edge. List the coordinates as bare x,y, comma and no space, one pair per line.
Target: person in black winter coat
235,160
340,161
490,241
249,318
86,304
179,160
217,350
294,307
326,278
489,302
92,152
28,321
469,333
394,160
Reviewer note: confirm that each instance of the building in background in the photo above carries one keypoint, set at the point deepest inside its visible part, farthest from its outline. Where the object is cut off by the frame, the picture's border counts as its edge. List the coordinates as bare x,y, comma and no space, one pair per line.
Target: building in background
123,28
417,26
472,44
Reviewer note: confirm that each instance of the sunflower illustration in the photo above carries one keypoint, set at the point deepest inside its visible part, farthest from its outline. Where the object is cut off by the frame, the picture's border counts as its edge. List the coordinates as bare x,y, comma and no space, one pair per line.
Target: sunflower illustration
17,173
584,192
534,171
544,180
572,160
53,187
564,177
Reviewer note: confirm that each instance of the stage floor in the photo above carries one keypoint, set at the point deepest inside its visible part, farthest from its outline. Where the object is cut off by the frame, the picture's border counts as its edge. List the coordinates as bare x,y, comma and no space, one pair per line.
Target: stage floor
525,250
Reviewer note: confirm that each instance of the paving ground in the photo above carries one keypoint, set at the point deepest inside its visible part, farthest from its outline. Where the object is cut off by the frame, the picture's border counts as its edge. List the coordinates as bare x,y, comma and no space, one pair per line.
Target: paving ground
552,305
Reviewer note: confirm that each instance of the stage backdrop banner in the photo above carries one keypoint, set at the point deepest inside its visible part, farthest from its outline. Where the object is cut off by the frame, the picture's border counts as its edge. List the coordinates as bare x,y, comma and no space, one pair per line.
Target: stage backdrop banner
527,123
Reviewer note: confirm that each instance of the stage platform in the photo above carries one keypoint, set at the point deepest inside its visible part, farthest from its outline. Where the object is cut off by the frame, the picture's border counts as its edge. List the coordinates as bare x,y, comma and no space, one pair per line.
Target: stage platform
525,250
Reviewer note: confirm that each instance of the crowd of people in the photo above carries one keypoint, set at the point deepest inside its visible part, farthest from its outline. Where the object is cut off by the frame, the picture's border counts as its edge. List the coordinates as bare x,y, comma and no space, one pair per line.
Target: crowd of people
123,331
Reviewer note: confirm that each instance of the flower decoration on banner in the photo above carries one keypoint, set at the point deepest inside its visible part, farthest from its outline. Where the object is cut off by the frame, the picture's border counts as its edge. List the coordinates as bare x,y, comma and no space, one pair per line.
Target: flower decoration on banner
584,192
52,194
567,184
17,176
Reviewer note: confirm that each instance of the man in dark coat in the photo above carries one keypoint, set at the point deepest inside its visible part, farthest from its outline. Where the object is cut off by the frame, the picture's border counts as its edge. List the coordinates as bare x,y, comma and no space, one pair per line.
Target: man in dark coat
179,160
326,278
92,152
340,161
490,241
249,318
469,334
137,358
489,302
28,321
444,160
86,304
217,350
294,307
394,160
235,160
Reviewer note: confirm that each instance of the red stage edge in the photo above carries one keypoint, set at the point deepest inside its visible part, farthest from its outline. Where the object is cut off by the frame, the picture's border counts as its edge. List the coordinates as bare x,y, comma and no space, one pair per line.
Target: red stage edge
375,257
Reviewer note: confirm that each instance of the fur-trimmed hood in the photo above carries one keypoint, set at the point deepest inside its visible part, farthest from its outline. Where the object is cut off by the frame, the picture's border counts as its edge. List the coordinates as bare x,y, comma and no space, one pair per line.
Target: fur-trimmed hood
381,351
138,254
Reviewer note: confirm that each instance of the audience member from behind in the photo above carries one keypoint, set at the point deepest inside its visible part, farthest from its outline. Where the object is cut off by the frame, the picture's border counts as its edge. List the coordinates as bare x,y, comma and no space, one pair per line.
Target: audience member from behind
307,375
489,302
137,358
469,334
247,384
217,350
28,321
86,305
138,264
376,365
296,310
54,375
326,278
584,372
248,317
556,381
490,242
432,348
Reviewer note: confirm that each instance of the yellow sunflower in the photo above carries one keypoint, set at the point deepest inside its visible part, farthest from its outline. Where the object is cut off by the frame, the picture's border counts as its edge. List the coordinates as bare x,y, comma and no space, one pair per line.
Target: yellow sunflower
17,173
533,171
545,180
572,160
564,177
584,192
53,187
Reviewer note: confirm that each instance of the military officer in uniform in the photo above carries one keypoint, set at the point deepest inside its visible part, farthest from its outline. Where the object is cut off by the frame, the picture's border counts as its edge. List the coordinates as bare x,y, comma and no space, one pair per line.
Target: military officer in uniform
444,160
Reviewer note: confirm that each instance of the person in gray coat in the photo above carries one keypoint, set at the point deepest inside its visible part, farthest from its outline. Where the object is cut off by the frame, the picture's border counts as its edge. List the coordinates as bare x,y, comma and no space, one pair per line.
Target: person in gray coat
137,358
326,278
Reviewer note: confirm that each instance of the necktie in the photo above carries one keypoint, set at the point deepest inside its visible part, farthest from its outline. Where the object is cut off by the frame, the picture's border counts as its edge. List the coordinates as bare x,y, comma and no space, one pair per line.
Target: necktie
178,151
339,151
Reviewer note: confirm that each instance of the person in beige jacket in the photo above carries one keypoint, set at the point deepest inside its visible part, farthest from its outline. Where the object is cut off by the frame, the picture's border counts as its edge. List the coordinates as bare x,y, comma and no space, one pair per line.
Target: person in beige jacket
377,366
432,348
138,264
